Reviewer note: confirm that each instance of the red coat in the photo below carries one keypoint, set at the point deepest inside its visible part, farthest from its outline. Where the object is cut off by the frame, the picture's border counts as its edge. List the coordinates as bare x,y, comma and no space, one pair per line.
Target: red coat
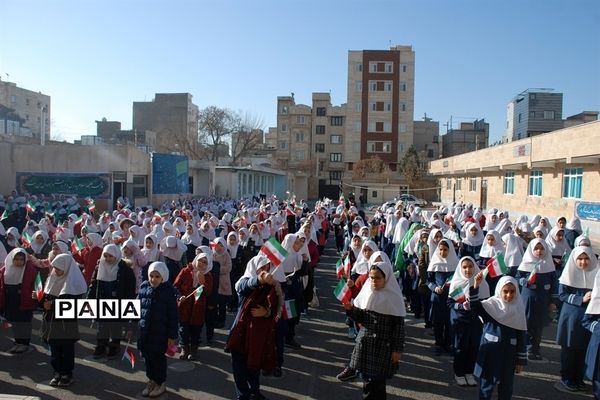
358,284
88,259
192,311
27,286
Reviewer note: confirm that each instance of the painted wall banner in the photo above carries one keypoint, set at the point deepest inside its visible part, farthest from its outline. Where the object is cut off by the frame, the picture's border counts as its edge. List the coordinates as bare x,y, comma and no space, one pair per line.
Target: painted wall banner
97,186
587,210
169,174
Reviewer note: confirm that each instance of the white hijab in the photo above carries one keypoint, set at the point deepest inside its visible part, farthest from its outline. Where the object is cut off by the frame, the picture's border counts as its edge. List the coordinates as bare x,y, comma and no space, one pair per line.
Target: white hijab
361,266
488,251
152,254
71,282
108,272
431,240
558,248
172,248
530,261
439,264
292,262
34,244
233,249
574,276
400,230
476,240
593,307
253,265
388,300
509,314
514,249
193,238
161,268
460,280
12,274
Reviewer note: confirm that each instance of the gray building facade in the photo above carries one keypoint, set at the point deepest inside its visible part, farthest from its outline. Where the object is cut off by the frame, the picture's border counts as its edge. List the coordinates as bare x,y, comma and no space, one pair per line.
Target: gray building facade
533,112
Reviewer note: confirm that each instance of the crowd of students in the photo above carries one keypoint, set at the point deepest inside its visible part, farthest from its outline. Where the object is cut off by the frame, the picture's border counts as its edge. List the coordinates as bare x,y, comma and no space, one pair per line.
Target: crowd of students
191,262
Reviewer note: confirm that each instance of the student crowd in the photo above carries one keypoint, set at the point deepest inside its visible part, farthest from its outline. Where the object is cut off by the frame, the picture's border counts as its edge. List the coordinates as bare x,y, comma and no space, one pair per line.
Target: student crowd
486,285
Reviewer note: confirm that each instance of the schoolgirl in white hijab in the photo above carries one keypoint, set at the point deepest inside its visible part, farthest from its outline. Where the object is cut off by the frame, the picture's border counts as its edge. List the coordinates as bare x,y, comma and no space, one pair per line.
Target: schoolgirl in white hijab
35,246
108,234
197,270
243,236
388,300
576,277
530,261
179,225
71,282
440,264
468,238
130,252
158,232
12,237
169,229
593,307
400,230
514,250
489,251
172,248
255,263
136,233
459,280
192,238
292,262
108,272
504,227
206,231
535,220
361,266
151,251
557,243
12,274
233,248
432,240
511,314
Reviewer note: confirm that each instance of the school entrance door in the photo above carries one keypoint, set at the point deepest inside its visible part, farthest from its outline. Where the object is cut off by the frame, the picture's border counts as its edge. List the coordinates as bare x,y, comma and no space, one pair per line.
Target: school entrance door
483,199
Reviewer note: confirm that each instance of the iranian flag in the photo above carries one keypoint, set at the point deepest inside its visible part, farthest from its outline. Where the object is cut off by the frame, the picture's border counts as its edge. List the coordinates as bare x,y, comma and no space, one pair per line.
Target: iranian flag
274,251
447,283
26,239
343,267
77,245
129,357
198,292
342,291
4,215
39,287
290,210
289,310
496,266
459,294
30,207
339,268
532,276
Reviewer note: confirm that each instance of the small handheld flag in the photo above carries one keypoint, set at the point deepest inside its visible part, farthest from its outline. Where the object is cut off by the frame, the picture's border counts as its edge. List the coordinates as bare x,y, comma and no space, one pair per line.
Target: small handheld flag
77,245
459,294
289,310
532,276
447,283
39,287
198,292
496,266
26,239
129,357
274,251
342,291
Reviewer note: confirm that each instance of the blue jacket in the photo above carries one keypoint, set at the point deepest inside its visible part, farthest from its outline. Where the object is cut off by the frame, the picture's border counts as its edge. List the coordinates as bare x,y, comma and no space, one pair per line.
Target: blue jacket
591,322
570,332
158,321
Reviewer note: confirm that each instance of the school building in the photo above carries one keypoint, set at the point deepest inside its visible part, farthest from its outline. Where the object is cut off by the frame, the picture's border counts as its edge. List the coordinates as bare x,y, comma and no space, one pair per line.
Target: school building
553,174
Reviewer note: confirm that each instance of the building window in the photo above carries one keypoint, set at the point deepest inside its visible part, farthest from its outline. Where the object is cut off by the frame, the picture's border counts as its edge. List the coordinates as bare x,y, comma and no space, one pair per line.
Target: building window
403,86
458,185
531,114
283,127
300,119
300,137
388,106
387,127
284,110
321,111
282,144
358,106
359,67
404,66
140,188
379,126
548,114
389,68
402,106
429,153
374,194
319,147
572,182
473,185
448,184
335,157
335,175
320,129
519,117
373,67
535,183
357,126
402,127
299,155
350,166
358,86
509,183
337,121
388,86
336,139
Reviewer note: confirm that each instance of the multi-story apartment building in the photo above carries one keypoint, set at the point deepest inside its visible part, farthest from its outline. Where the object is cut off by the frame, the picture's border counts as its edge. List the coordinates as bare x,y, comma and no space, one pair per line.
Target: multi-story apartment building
426,140
173,116
471,136
33,107
533,112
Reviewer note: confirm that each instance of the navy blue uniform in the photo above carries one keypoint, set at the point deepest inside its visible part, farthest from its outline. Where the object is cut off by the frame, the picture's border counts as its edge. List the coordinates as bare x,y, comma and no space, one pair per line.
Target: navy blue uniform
466,333
592,358
440,314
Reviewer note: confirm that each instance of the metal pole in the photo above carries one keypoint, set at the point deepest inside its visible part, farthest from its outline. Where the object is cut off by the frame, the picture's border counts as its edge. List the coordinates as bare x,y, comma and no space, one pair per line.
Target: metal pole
42,133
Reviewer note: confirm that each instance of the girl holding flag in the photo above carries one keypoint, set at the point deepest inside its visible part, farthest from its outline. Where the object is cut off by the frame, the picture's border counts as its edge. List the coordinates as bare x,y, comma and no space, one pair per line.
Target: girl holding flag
575,291
194,284
465,324
64,282
591,322
441,267
379,308
536,277
17,284
491,247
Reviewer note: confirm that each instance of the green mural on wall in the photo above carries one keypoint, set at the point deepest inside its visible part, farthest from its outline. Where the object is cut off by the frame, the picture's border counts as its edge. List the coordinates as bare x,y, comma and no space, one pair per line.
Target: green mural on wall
96,185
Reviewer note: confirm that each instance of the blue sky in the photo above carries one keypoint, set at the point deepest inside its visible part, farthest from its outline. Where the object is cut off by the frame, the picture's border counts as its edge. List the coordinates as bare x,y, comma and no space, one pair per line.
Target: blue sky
472,56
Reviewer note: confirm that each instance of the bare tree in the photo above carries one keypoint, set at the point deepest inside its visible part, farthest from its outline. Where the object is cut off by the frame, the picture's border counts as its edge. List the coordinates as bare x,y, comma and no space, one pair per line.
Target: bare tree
248,137
369,166
215,125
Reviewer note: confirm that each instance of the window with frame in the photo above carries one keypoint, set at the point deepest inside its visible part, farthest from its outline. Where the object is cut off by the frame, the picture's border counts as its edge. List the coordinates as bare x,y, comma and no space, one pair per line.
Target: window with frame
300,119
404,67
319,147
374,193
358,106
358,86
458,185
403,86
531,114
282,144
140,187
299,155
388,106
572,183
509,183
283,127
300,137
473,185
336,139
549,114
448,184
388,86
389,67
337,121
320,129
535,183
335,175
359,67
335,157
321,111
402,106
284,110
402,127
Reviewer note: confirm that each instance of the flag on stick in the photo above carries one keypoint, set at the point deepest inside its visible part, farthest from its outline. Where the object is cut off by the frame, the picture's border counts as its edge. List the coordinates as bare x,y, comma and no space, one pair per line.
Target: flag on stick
342,291
459,294
26,239
289,310
129,357
496,266
274,251
532,276
77,245
198,292
39,287
447,283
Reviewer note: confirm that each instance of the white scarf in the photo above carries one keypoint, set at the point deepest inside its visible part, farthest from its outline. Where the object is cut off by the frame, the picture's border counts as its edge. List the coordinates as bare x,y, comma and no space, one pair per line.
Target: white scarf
233,249
471,240
172,248
108,272
488,251
12,274
460,280
530,262
509,314
593,307
196,267
388,300
431,240
253,265
439,264
151,254
193,238
575,277
514,249
71,282
400,230
37,248
558,248
361,266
